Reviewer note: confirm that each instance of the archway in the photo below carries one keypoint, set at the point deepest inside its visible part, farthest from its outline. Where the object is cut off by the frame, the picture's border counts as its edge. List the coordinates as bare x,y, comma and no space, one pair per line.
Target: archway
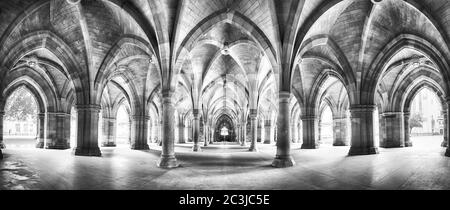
224,131
20,122
326,126
123,126
426,123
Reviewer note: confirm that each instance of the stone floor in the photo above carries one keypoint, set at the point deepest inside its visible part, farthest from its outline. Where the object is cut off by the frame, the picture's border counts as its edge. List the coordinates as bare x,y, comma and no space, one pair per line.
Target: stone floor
229,167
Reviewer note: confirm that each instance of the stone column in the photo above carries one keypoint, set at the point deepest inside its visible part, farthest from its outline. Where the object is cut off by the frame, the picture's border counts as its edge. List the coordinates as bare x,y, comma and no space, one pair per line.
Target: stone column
109,132
2,144
340,131
393,128
253,129
283,157
40,139
168,159
267,132
238,132
445,140
407,132
206,135
160,131
319,133
310,132
260,131
244,134
87,132
139,132
363,142
181,136
196,130
58,131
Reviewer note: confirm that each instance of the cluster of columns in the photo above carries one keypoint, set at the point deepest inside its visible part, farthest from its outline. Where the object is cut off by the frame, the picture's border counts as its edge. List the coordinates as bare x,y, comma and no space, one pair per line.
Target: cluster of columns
54,131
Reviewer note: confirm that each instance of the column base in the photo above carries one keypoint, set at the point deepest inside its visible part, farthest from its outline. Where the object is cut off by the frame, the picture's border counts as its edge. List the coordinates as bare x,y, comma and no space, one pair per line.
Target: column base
391,145
447,152
267,142
2,145
408,144
283,162
196,148
340,144
243,144
309,146
140,147
40,145
253,149
444,143
95,151
58,146
109,144
168,162
362,151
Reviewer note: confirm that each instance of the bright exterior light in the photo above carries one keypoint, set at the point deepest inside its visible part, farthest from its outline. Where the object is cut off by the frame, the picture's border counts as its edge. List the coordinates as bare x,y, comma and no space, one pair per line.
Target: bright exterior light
224,131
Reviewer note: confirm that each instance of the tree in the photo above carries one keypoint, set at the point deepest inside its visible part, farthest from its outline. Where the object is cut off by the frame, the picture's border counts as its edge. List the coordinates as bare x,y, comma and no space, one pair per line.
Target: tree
416,121
21,106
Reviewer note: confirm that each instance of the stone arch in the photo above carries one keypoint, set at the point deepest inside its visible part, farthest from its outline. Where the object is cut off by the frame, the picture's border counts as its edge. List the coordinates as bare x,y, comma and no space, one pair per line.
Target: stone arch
395,46
208,23
51,42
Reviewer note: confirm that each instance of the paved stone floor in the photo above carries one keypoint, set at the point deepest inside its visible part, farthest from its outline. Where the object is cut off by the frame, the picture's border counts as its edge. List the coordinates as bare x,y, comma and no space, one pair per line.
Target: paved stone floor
229,167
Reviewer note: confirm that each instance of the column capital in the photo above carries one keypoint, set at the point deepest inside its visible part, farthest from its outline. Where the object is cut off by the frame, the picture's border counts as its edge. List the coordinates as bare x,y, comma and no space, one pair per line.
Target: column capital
391,114
284,96
253,113
308,117
362,108
88,107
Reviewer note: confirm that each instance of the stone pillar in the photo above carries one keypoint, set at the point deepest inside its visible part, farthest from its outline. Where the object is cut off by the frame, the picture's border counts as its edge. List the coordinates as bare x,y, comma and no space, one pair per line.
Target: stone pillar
159,136
393,128
40,139
87,132
253,129
206,135
445,140
340,131
319,133
363,139
447,123
283,157
2,144
310,132
168,159
138,132
407,132
244,134
238,132
58,131
260,131
181,136
196,130
267,132
109,132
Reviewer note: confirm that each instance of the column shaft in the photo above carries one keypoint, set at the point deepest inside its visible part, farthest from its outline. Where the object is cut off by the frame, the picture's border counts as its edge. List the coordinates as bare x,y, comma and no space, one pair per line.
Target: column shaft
181,135
40,139
109,132
445,140
407,131
310,132
393,129
2,144
87,132
253,130
196,131
244,134
139,132
362,130
283,157
168,159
